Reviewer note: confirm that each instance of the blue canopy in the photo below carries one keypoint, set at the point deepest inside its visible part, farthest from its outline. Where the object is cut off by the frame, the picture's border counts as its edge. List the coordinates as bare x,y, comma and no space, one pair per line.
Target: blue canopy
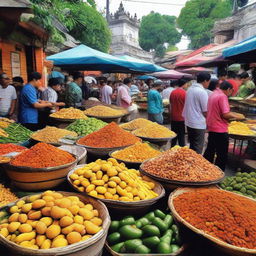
85,58
245,51
142,63
145,77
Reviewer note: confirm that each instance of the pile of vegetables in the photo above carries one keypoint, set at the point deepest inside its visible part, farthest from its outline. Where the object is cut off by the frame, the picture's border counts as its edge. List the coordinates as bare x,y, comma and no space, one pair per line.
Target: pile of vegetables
153,233
242,183
17,133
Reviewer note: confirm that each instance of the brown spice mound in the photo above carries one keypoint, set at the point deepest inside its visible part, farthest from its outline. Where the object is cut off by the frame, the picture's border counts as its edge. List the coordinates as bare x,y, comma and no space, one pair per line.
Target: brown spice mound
109,136
182,164
42,155
224,215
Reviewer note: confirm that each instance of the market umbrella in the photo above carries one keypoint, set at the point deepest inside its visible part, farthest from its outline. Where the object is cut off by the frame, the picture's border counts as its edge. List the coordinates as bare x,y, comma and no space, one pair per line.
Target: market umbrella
244,51
195,70
145,77
170,74
85,58
142,63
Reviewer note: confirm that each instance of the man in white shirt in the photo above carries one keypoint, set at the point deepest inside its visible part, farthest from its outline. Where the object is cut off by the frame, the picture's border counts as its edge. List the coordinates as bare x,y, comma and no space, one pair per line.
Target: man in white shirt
195,111
167,91
106,91
8,96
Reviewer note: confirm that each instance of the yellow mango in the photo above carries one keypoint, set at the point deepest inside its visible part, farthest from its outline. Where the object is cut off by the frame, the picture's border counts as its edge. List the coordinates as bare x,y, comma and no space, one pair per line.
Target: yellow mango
98,182
46,244
48,193
112,184
39,203
95,213
40,239
25,237
64,203
116,179
25,228
111,191
74,209
115,197
96,168
93,193
53,231
34,215
86,237
57,212
13,226
48,198
60,242
13,237
20,203
100,196
33,198
85,183
90,188
14,217
4,232
105,178
22,218
73,176
123,184
66,221
49,204
89,207
78,219
97,221
67,229
46,220
26,207
74,237
87,214
91,228
112,172
78,228
41,227
14,209
88,174
101,190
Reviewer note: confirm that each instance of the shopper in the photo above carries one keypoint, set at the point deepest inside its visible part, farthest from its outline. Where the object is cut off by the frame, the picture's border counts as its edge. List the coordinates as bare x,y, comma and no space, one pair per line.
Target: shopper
106,91
155,103
212,86
222,76
29,103
73,96
8,96
167,91
123,94
232,79
18,83
177,102
217,123
247,87
195,111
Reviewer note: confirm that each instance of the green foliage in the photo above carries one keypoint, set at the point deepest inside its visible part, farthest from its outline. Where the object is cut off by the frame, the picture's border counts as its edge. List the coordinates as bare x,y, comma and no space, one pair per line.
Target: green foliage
197,19
160,51
172,48
156,30
81,19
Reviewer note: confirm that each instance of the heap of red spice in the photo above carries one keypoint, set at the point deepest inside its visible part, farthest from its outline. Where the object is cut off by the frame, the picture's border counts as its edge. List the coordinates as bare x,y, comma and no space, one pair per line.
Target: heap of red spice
42,155
109,136
9,147
224,215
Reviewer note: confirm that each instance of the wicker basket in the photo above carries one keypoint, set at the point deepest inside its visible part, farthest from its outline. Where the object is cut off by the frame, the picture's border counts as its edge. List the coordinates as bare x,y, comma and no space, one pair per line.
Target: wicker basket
223,246
126,207
93,246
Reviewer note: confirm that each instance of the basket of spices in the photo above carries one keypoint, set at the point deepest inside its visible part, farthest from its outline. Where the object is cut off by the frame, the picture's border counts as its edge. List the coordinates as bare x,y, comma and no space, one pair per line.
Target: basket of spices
106,114
155,133
135,124
55,223
135,155
224,218
107,139
52,135
182,167
120,188
42,166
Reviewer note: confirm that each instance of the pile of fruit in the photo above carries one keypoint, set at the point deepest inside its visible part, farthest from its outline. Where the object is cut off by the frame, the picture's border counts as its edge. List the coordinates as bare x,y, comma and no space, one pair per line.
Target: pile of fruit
84,127
242,183
153,233
50,220
5,122
69,113
14,133
240,128
111,180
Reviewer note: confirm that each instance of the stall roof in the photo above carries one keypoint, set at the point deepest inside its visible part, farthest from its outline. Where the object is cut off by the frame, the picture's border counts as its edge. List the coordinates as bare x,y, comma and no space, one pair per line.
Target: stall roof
244,51
206,56
85,58
170,74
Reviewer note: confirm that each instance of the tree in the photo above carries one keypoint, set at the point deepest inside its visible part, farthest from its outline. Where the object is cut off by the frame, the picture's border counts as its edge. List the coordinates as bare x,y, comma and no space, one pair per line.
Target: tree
80,18
156,30
197,19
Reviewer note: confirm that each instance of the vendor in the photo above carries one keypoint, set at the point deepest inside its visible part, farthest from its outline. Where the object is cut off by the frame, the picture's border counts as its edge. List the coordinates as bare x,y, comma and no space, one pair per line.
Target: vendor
155,103
50,94
106,91
218,115
8,96
29,102
123,94
247,87
73,96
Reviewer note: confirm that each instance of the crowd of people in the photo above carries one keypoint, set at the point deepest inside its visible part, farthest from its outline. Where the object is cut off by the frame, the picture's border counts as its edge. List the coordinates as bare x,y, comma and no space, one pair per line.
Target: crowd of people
194,106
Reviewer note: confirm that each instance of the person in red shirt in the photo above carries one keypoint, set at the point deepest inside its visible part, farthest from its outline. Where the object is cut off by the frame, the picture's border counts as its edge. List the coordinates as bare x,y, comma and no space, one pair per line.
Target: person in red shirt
232,80
177,102
218,114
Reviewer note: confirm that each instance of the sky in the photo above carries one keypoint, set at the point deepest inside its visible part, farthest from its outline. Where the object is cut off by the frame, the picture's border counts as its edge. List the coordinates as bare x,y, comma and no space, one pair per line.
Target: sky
169,7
